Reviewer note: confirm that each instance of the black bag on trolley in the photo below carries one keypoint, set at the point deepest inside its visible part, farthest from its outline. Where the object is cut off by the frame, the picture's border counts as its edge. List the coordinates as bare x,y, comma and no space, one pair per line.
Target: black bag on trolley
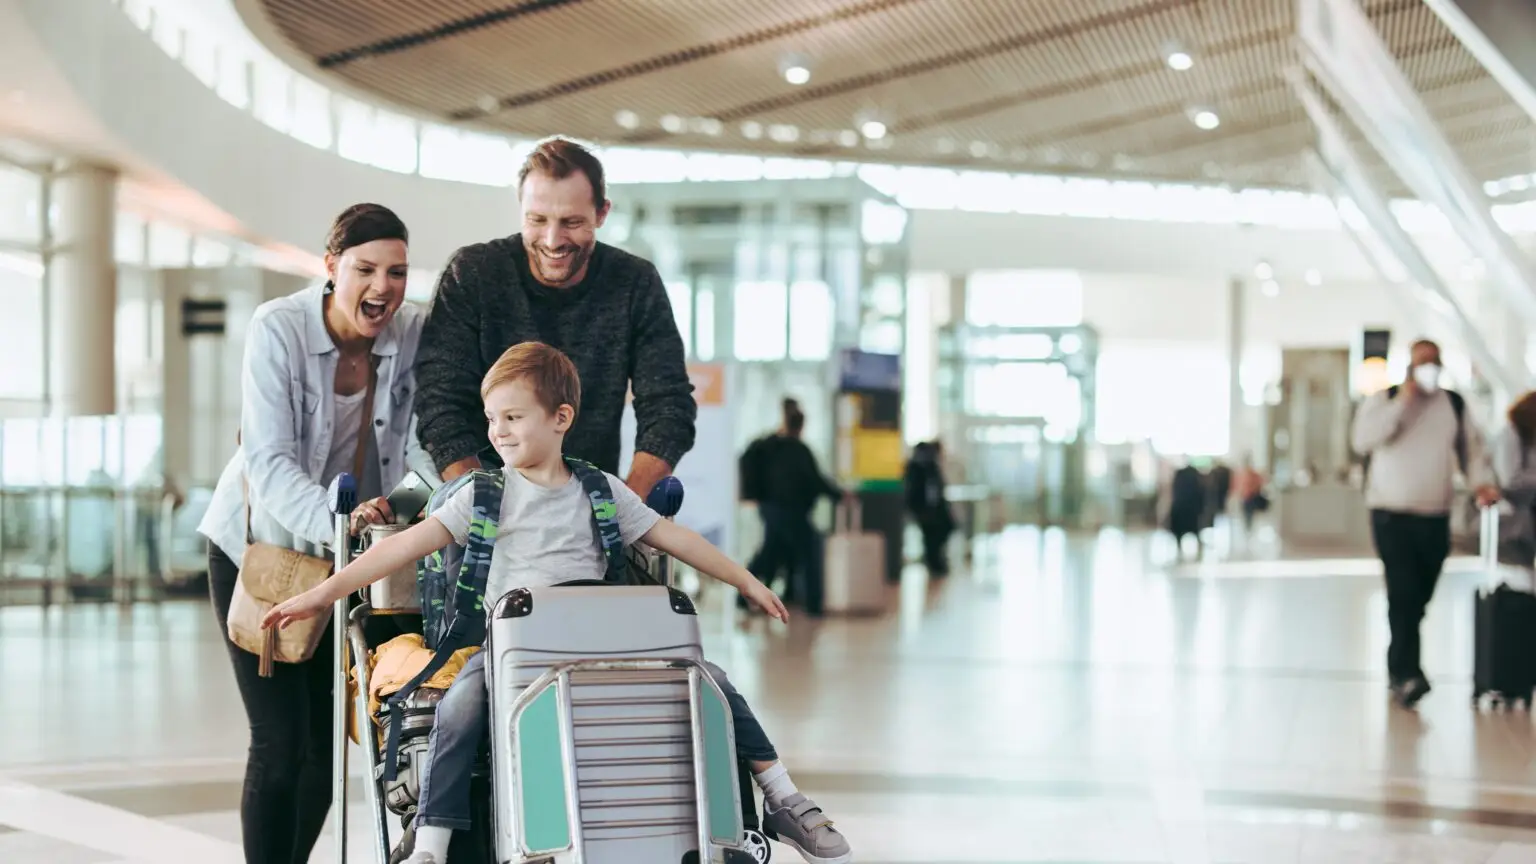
1504,653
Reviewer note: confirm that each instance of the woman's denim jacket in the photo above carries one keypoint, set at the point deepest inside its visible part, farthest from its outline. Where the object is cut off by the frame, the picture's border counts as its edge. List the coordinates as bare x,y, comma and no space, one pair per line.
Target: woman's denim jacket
287,416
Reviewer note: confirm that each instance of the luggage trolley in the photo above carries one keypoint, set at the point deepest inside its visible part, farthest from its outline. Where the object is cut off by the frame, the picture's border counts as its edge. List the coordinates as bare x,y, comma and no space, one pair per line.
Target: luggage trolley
609,741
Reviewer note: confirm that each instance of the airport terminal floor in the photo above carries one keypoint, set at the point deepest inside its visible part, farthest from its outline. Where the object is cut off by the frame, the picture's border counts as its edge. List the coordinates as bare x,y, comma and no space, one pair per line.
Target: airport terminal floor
1063,699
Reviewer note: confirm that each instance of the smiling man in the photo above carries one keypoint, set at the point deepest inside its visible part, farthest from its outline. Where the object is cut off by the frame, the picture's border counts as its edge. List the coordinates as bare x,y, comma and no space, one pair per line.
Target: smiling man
555,283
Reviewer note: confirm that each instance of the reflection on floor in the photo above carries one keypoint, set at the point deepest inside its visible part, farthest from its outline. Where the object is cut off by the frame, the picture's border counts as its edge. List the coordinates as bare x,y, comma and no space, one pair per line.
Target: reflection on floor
1070,699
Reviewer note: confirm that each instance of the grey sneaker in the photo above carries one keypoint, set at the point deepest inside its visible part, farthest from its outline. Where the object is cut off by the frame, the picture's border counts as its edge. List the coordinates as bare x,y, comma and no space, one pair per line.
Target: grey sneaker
801,824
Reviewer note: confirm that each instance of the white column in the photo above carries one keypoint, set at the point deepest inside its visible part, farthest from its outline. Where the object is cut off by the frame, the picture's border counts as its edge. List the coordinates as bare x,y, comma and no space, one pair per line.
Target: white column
1237,304
82,293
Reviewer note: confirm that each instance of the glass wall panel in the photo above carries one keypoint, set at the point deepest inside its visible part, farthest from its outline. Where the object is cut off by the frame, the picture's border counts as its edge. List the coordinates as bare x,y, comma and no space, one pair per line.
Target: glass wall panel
21,327
21,195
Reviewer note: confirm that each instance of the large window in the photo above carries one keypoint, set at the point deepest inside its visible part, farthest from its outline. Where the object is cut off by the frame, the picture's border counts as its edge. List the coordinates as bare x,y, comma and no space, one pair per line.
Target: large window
21,194
469,157
378,138
811,320
680,296
21,328
1024,298
1024,390
1173,394
759,328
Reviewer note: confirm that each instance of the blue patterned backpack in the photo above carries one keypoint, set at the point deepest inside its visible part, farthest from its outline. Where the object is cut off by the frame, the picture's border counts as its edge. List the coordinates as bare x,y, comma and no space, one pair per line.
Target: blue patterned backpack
452,580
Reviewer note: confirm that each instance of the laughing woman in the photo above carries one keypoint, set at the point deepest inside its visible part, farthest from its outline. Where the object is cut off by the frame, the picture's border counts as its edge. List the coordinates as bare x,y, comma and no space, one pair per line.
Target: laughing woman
326,388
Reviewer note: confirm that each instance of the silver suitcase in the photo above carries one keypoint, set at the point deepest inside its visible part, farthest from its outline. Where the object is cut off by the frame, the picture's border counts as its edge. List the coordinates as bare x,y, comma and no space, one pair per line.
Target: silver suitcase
603,684
853,570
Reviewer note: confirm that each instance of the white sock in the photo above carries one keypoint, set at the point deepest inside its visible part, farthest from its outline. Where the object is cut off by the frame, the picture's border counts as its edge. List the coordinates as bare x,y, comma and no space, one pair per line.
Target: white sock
433,840
776,785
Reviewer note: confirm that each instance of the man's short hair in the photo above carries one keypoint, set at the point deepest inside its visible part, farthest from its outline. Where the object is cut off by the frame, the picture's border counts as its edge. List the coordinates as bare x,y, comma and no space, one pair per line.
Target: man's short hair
560,157
549,373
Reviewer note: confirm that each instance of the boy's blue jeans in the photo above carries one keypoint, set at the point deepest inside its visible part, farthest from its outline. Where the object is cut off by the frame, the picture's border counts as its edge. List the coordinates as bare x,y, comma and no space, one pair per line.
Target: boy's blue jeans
460,724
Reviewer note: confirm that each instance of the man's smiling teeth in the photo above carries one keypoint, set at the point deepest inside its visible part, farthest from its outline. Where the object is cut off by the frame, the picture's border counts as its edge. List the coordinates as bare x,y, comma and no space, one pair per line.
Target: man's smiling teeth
557,255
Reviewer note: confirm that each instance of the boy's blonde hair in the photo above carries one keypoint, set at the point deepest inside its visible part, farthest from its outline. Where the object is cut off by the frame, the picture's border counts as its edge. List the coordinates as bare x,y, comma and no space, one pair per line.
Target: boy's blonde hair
551,375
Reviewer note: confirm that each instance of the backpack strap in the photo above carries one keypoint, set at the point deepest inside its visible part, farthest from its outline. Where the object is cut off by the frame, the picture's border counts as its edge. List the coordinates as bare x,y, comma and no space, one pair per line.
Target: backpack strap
1459,405
605,517
465,622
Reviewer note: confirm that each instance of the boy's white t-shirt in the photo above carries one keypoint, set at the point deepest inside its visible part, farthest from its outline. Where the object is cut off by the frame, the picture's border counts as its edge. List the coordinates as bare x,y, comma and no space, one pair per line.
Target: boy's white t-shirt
545,536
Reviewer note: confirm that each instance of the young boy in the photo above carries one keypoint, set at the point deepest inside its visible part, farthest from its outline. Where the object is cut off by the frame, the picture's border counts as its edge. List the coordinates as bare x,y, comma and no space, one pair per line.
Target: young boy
544,537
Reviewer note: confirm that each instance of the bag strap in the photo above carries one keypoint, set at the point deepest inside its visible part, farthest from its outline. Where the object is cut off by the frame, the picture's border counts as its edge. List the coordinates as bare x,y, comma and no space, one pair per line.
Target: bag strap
469,588
358,455
605,517
1459,406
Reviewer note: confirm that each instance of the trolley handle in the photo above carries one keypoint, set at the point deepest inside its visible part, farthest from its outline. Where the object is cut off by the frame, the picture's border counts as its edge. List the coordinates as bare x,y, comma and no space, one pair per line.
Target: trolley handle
343,500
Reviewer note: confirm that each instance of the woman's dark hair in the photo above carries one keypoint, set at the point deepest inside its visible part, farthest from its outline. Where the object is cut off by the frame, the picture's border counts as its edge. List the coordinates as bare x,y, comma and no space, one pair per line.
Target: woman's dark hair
364,223
1522,416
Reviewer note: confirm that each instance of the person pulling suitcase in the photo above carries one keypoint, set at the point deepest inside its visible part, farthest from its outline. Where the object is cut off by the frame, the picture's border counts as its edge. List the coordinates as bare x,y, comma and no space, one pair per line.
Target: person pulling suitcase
1417,438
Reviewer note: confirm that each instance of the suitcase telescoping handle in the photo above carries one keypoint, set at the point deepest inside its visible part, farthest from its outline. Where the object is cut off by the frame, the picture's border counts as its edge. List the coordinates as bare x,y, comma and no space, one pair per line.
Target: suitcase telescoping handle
848,518
1488,537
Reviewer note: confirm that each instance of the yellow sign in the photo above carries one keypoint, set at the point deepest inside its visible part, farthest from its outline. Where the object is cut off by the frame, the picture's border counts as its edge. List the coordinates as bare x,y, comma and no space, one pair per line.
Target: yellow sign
877,454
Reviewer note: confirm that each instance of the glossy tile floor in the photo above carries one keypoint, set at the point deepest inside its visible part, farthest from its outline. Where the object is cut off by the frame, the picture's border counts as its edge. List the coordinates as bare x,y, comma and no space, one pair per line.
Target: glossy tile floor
1067,699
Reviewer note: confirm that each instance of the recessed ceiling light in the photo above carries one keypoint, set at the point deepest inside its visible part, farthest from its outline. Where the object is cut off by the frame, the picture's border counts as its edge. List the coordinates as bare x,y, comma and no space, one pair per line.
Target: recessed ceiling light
1205,118
752,129
706,125
784,133
1176,57
673,123
874,130
944,145
795,69
1263,270
627,119
848,138
488,104
1270,287
1314,277
980,149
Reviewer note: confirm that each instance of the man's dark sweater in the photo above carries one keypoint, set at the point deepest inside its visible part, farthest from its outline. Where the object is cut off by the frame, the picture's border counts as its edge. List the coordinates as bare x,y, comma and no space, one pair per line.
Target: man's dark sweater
616,326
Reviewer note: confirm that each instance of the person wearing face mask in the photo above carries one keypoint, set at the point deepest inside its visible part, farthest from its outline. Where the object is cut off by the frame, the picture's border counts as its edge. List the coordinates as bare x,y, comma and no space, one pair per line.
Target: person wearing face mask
1417,438
327,385
555,283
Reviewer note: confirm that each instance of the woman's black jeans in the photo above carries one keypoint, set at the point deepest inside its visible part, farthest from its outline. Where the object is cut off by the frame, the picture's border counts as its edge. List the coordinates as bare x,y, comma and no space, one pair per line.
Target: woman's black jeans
288,771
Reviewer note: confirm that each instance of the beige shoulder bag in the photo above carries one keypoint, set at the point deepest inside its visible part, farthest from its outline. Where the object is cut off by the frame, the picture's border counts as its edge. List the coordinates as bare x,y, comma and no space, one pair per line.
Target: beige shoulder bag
271,574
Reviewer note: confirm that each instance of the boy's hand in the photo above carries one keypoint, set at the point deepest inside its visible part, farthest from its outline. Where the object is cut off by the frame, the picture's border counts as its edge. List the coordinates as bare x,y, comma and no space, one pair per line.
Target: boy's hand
765,600
298,608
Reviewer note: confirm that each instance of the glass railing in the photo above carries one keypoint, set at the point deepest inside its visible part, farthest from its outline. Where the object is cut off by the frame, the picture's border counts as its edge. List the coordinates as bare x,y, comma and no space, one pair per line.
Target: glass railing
86,516
247,76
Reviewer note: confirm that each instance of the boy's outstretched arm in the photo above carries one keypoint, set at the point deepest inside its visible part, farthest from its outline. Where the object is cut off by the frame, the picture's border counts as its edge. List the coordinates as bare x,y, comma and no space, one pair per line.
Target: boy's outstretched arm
687,546
381,559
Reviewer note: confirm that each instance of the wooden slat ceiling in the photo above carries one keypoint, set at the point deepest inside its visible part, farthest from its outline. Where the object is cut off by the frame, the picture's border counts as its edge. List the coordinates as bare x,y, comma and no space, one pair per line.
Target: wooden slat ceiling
1076,87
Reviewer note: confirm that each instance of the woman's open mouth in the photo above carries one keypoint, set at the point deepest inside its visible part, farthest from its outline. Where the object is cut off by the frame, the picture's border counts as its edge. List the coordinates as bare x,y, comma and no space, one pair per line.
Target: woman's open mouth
375,310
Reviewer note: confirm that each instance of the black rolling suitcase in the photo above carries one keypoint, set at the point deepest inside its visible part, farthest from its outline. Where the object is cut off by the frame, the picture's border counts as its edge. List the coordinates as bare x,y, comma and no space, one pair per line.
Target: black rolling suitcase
1504,656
